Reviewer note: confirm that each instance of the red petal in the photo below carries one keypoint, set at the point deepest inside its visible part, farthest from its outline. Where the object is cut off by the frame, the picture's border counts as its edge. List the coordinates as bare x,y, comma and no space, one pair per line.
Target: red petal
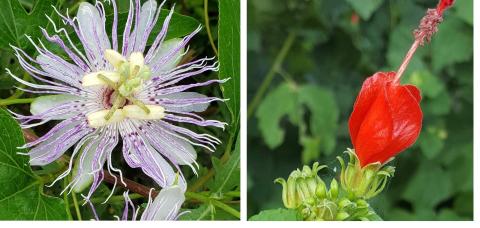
415,92
365,99
375,132
407,119
386,118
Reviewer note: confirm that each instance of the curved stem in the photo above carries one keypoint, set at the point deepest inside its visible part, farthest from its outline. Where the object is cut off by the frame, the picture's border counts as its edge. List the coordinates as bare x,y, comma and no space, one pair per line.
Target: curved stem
5,102
271,73
77,208
207,26
216,203
112,199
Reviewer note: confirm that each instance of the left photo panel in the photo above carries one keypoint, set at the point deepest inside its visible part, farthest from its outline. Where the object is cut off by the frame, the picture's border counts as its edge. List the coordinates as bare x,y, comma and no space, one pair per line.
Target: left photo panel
120,110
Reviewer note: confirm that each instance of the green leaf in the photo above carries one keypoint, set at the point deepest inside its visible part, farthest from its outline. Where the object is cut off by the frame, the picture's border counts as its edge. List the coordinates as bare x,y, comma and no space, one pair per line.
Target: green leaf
373,216
270,112
452,44
449,215
7,60
438,106
464,10
279,214
401,39
318,135
227,176
324,115
21,192
365,8
229,55
16,23
428,186
432,140
204,212
430,85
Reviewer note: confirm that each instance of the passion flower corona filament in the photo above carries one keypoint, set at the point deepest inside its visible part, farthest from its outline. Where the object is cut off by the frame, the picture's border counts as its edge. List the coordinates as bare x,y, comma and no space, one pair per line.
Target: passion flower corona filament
111,90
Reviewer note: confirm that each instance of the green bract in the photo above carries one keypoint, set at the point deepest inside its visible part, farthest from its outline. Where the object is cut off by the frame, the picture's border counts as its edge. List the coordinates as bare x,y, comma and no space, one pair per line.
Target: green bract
366,182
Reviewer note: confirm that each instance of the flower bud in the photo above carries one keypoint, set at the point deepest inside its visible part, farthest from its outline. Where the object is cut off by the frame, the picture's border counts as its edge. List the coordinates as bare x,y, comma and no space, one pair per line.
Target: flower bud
333,193
325,210
363,182
342,215
302,186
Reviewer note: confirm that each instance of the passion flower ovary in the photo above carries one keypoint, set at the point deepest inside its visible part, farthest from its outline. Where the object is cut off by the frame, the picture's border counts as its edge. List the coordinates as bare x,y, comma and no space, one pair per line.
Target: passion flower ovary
127,78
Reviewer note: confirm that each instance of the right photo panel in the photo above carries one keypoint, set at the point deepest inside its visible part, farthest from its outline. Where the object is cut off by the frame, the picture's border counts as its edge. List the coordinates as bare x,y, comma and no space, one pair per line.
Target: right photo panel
360,110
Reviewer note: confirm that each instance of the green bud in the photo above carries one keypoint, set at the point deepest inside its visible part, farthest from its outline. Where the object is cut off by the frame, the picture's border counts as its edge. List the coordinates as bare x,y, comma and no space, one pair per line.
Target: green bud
326,210
343,203
333,193
342,215
321,191
362,203
301,186
363,182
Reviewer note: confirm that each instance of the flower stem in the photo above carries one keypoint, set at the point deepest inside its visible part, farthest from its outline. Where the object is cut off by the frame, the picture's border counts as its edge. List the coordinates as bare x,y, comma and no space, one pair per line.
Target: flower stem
116,198
67,202
207,26
77,208
143,190
5,102
216,203
287,44
406,60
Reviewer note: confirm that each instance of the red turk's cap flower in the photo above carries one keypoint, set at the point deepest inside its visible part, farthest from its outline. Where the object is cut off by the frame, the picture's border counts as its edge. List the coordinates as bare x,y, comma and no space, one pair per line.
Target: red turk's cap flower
386,118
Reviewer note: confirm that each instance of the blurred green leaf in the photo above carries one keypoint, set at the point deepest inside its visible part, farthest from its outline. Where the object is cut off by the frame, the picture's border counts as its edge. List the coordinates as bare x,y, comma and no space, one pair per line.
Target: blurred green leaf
270,113
432,140
452,44
279,214
324,115
401,39
428,186
440,105
464,10
430,85
365,8
316,135
449,215
21,192
229,54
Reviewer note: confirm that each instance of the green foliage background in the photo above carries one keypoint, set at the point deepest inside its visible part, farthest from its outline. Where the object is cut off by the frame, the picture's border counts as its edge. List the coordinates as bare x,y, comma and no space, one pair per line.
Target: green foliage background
311,57
212,195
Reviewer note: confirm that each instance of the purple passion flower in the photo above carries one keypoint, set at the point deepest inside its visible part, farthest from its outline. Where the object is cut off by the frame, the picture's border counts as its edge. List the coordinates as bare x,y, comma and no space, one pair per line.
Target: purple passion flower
106,93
